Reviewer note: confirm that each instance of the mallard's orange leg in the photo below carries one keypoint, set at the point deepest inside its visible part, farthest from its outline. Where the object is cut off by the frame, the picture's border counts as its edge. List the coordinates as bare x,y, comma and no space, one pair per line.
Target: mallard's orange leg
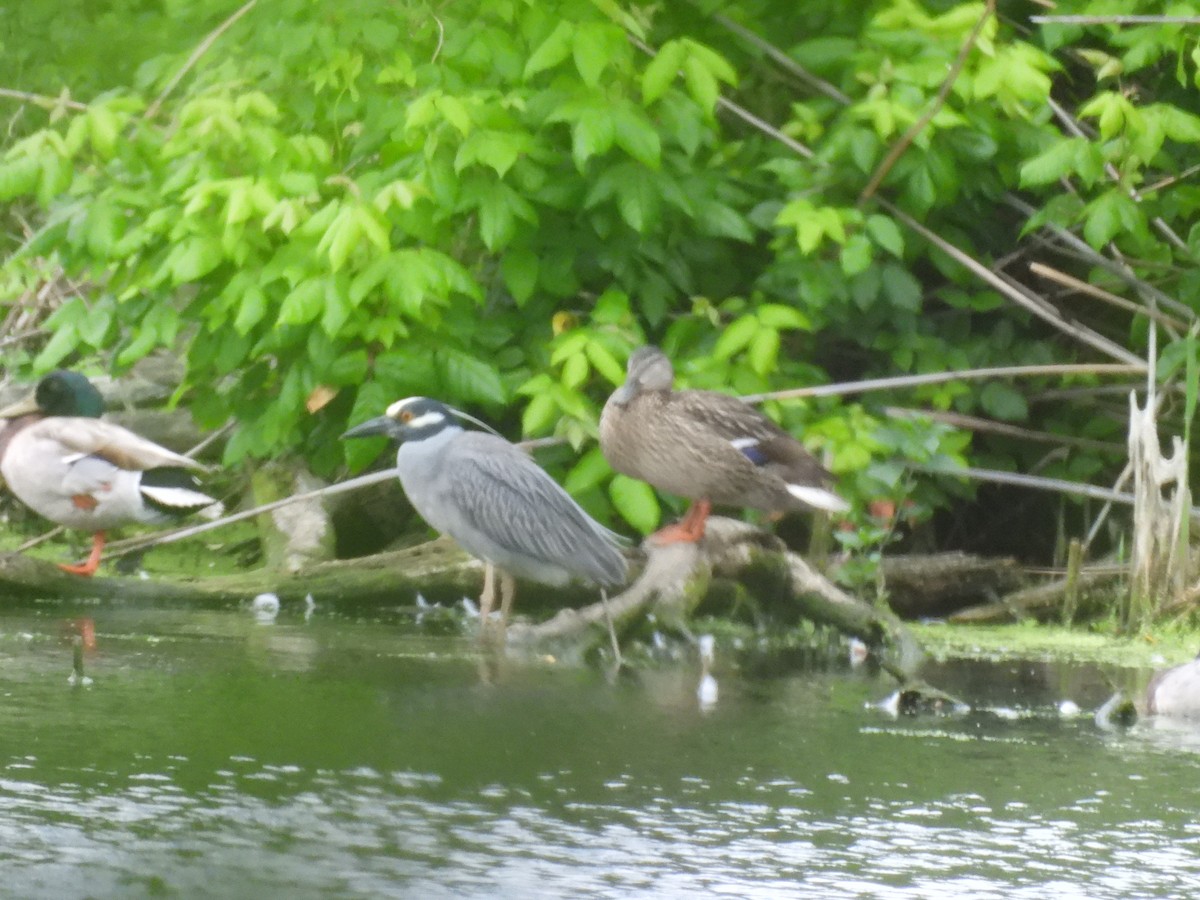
689,529
93,561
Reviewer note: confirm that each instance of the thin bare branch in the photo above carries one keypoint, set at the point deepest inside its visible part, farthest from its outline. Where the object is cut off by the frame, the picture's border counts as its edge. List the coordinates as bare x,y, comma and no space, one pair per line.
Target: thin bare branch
1085,250
1083,287
990,426
762,125
1115,20
1018,295
785,61
168,537
1038,482
939,99
1167,182
43,100
200,50
905,381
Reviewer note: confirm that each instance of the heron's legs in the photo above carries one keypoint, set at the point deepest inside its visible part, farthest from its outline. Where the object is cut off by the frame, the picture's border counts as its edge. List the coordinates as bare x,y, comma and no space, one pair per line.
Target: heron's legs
612,631
687,530
488,598
508,590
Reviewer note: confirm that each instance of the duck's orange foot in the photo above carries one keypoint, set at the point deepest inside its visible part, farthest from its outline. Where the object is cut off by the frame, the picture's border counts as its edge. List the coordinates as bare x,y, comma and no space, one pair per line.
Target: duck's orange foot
88,569
689,530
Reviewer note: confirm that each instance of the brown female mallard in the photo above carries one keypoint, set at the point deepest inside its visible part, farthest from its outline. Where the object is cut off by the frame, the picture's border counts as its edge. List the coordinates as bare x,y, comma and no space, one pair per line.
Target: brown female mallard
709,447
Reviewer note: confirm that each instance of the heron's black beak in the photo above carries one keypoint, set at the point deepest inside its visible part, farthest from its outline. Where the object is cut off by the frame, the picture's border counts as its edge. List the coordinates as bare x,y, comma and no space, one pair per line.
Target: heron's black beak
379,426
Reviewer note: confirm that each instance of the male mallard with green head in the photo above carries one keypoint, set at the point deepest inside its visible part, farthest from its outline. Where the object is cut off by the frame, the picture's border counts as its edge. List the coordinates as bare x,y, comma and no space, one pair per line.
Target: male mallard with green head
64,463
709,447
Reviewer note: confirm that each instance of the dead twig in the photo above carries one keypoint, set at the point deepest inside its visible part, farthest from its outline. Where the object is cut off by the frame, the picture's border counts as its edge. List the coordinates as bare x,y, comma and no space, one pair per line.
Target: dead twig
1019,295
990,426
44,100
905,381
200,50
1083,287
1115,20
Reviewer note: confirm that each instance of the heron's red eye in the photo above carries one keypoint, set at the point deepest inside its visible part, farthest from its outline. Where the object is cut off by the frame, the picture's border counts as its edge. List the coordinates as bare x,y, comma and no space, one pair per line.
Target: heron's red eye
406,416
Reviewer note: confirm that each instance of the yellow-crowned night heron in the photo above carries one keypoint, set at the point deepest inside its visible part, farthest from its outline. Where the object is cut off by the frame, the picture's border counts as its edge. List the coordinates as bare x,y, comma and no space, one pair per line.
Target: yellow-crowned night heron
706,446
64,463
495,501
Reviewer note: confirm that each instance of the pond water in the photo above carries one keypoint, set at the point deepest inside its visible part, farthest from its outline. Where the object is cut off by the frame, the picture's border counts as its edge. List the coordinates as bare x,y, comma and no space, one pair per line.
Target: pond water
338,757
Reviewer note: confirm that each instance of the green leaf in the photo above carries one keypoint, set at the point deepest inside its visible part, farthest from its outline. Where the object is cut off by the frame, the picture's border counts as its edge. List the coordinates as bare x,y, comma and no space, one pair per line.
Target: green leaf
764,351
856,255
718,220
252,307
540,415
661,71
636,135
337,305
469,378
886,233
1002,401
520,270
1108,215
701,84
552,51
605,363
592,134
589,472
63,341
736,336
304,303
638,199
636,502
780,317
194,257
575,371
18,177
1055,162
498,150
901,288
592,49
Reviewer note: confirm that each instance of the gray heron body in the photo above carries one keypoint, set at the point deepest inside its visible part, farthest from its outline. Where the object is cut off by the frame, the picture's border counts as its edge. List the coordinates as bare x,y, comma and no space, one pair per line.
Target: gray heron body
709,447
495,501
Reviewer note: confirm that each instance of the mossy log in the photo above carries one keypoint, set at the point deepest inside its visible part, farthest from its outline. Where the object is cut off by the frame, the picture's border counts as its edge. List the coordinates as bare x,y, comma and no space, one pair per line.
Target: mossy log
674,578
1084,594
940,583
438,569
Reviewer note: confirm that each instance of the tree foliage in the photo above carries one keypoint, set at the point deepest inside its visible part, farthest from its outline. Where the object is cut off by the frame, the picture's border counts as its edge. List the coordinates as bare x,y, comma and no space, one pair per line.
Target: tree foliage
494,202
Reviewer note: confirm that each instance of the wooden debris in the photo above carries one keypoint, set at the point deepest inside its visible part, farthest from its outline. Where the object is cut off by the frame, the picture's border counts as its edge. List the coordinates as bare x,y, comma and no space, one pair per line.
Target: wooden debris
939,584
1046,601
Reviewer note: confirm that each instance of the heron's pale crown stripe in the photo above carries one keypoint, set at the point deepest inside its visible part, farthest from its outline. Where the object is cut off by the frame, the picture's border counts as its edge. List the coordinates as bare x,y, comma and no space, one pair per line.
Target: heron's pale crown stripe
393,411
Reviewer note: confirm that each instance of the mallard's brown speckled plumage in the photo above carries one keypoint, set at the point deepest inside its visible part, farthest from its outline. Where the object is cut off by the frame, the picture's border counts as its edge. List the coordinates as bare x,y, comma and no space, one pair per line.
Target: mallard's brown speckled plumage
707,446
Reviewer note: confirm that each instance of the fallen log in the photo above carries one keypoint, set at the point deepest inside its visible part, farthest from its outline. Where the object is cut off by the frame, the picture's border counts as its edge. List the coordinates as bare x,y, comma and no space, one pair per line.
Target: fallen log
674,579
937,584
677,576
1046,601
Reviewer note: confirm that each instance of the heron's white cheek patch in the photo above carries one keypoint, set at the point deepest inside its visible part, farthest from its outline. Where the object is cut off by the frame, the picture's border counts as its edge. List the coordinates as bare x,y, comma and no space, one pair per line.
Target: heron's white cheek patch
424,421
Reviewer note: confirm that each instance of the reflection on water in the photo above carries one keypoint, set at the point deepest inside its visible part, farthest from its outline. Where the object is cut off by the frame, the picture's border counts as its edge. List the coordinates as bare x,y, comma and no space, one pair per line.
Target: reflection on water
213,756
